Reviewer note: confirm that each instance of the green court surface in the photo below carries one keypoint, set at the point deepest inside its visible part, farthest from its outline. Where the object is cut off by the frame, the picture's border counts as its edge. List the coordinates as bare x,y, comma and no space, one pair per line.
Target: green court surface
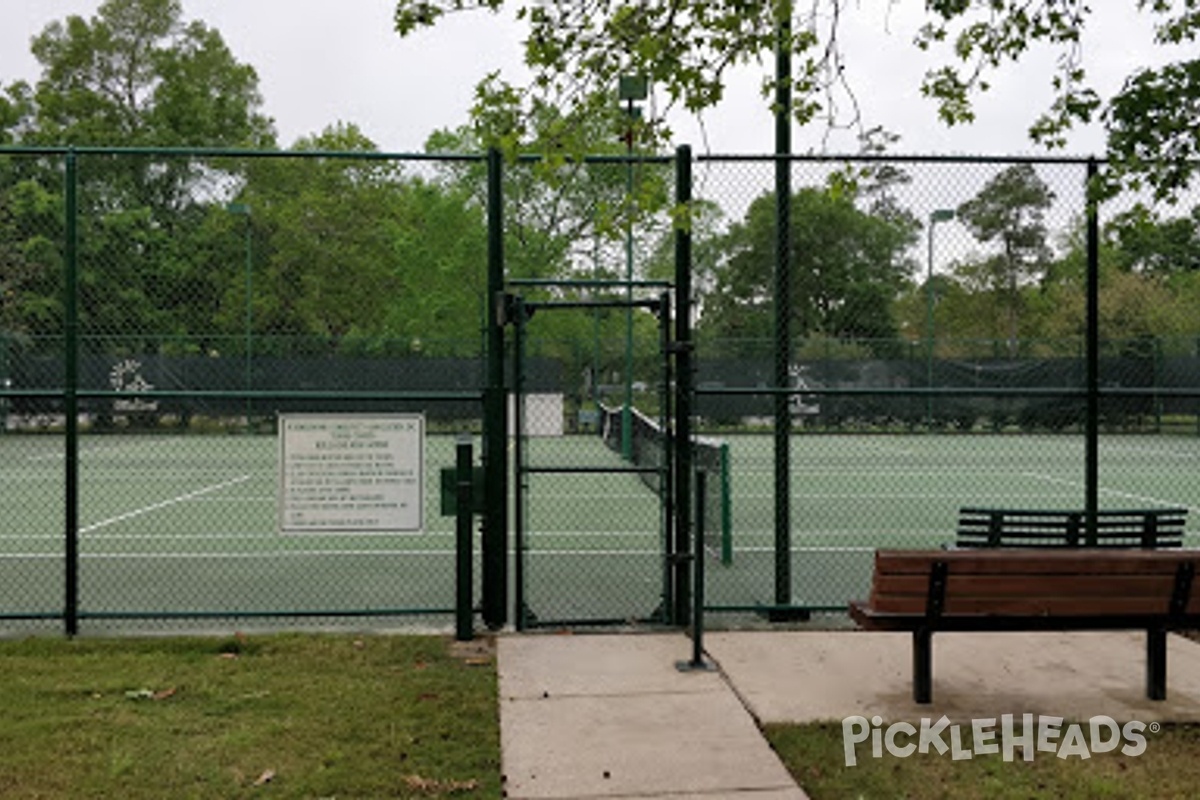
174,525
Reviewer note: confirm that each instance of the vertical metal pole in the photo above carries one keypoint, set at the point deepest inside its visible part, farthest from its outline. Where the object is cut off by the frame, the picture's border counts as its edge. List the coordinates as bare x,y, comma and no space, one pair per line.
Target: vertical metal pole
249,316
627,408
1092,436
929,331
698,572
684,374
673,540
495,423
463,607
71,395
519,521
783,304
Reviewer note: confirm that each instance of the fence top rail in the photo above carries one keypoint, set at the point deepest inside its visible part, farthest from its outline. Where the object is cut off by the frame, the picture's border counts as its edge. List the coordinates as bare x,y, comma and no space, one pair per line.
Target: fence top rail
910,158
630,158
221,152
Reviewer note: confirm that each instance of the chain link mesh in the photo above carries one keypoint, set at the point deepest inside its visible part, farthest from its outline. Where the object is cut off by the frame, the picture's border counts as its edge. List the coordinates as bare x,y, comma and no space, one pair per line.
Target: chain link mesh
939,359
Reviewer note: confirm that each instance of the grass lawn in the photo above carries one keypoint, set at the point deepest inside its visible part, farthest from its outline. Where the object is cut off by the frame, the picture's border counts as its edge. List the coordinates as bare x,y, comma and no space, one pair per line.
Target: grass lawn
314,716
814,754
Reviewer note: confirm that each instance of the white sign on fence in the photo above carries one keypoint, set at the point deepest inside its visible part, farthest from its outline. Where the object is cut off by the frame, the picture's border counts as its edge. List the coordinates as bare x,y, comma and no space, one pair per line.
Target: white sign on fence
351,473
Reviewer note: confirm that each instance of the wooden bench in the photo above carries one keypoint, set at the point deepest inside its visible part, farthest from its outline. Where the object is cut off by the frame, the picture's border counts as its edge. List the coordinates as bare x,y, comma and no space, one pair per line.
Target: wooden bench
926,592
993,527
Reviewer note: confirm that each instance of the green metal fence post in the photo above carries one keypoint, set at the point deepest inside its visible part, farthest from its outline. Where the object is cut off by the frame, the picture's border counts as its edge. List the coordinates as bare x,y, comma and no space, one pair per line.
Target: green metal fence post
684,387
495,531
726,508
672,540
520,605
71,394
783,307
697,663
1092,435
463,607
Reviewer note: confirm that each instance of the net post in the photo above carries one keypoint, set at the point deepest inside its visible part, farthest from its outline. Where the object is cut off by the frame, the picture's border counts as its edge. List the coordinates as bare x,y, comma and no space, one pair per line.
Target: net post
463,611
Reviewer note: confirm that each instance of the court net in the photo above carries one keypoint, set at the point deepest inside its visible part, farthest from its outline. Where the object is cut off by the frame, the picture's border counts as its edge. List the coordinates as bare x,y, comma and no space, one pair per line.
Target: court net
647,444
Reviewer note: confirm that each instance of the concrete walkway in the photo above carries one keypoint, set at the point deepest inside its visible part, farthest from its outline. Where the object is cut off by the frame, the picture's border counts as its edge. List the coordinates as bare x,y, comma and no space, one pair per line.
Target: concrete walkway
590,716
596,716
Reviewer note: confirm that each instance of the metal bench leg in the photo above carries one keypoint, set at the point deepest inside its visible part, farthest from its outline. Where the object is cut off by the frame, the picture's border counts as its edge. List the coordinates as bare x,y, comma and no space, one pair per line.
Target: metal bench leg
923,666
1156,664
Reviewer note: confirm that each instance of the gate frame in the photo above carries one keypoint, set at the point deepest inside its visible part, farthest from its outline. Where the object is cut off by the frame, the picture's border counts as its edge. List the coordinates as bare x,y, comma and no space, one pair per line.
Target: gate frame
519,311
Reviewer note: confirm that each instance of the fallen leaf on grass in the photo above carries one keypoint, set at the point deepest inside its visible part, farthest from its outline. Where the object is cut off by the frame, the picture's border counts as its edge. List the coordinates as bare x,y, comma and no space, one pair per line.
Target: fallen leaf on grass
435,786
267,776
150,694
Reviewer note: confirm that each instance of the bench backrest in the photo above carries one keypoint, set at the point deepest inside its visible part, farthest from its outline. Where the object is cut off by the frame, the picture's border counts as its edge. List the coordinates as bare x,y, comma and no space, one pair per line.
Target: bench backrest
1018,582
991,527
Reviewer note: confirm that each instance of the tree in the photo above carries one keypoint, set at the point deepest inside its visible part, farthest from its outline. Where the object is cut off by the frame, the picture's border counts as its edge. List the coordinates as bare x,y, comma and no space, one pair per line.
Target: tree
1149,244
848,266
688,46
135,74
1010,211
352,253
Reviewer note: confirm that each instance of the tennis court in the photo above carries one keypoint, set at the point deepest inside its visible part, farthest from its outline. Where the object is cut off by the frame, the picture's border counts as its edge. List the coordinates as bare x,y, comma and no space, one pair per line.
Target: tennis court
187,526
850,494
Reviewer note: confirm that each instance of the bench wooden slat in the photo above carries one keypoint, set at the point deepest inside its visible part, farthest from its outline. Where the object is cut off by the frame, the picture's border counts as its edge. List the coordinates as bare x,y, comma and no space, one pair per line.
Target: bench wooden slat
1033,606
1145,528
870,619
1023,586
1009,589
1074,561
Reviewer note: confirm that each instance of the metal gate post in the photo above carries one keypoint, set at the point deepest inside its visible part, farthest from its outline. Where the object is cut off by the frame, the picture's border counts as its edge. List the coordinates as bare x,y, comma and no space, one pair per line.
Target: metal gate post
464,611
520,607
684,388
495,424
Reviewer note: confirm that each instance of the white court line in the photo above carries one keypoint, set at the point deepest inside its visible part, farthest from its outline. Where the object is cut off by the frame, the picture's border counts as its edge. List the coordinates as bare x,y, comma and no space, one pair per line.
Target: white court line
1114,492
59,455
737,550
271,554
183,498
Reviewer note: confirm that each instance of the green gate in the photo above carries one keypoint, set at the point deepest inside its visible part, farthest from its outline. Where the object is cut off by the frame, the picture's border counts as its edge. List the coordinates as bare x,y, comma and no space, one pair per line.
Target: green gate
593,515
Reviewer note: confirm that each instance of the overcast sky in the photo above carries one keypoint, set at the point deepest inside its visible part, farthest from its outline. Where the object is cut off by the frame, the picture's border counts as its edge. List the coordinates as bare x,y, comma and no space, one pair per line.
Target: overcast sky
321,62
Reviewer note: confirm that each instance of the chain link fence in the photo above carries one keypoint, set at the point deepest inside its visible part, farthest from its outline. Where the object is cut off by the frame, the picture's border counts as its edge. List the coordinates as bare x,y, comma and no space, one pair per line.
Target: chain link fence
168,317
938,359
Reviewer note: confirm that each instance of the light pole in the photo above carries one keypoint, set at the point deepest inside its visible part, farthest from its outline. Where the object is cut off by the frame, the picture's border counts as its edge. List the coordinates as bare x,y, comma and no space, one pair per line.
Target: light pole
243,209
630,89
939,215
